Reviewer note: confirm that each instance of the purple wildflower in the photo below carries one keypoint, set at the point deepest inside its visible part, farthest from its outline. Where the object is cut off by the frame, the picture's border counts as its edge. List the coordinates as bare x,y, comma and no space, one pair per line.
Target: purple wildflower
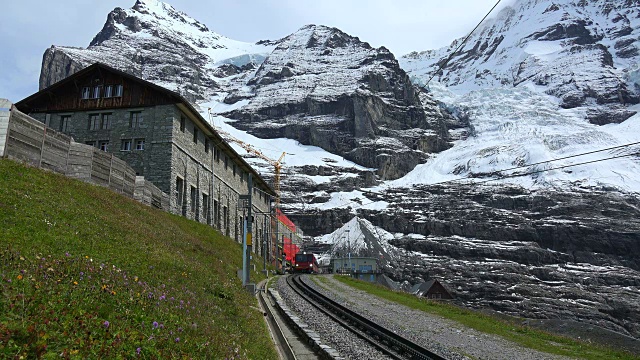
177,339
161,326
138,351
67,254
162,297
106,324
155,324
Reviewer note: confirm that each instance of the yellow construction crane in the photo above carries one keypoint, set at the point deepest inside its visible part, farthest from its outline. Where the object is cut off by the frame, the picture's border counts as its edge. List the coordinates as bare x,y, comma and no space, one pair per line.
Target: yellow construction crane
277,164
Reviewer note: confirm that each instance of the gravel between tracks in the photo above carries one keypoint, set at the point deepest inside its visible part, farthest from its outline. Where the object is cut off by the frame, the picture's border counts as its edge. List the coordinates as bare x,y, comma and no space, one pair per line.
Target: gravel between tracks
445,337
347,344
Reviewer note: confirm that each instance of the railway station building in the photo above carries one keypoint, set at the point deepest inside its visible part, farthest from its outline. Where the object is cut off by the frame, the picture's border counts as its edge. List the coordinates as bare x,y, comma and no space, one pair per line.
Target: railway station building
163,138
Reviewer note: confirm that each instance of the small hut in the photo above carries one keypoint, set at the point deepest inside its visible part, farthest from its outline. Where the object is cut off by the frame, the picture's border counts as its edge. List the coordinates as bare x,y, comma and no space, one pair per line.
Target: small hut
431,289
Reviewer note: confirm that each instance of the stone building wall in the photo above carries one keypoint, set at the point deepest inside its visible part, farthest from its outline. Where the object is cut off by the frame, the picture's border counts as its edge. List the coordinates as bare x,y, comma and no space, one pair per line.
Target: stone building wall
172,156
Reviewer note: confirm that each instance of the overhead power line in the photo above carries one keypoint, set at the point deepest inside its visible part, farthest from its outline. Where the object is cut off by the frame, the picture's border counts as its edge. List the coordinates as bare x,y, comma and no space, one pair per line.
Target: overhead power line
518,175
440,67
530,165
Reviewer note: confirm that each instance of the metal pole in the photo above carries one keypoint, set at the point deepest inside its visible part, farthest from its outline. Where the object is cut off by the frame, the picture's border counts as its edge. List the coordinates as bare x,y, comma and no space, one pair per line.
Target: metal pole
245,279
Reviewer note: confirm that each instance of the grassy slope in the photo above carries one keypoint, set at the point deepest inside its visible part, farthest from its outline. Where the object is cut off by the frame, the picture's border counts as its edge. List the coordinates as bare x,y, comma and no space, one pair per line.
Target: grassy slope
515,332
87,273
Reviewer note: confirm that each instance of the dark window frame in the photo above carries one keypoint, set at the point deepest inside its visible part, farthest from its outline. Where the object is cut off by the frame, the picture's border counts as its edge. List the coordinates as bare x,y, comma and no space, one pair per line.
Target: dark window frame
94,121
105,121
125,145
118,90
64,123
96,92
139,144
135,119
85,94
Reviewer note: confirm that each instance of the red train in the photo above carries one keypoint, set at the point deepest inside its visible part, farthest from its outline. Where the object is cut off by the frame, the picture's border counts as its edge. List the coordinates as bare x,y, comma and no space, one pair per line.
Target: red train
305,263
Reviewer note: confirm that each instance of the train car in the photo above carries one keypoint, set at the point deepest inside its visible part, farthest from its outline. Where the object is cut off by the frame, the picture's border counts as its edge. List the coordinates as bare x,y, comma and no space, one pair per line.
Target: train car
305,263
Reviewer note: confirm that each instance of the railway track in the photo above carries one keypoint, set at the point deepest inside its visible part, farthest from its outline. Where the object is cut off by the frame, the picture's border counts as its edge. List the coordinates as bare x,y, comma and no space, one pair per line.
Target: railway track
392,345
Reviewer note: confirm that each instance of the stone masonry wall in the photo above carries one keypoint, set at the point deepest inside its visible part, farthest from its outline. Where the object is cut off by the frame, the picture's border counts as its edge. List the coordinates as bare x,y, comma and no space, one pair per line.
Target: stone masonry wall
170,154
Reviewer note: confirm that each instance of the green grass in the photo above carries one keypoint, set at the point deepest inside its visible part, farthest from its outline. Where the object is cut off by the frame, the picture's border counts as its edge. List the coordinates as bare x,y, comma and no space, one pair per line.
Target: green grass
525,336
87,273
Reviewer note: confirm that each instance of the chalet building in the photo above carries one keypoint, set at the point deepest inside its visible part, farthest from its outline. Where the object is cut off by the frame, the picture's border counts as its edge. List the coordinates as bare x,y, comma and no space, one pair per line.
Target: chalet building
431,289
163,137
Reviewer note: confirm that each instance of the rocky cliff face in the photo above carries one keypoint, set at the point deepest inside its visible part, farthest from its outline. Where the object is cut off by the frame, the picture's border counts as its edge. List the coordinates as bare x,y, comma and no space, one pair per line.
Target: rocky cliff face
538,254
583,53
323,87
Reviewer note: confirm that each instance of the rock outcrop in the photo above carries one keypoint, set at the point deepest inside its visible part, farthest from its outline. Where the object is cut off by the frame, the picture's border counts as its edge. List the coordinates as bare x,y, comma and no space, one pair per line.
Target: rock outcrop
323,87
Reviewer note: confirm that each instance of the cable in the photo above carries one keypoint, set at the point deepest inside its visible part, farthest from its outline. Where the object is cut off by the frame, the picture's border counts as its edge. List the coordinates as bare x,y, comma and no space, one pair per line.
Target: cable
529,165
571,156
499,178
440,67
556,168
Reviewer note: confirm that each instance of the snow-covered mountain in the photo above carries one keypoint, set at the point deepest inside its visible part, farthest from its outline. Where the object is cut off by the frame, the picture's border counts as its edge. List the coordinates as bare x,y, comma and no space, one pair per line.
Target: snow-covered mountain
542,80
160,44
326,88
582,52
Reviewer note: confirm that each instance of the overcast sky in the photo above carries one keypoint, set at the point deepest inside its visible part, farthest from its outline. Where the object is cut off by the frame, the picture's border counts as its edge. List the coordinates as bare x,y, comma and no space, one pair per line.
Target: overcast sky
28,27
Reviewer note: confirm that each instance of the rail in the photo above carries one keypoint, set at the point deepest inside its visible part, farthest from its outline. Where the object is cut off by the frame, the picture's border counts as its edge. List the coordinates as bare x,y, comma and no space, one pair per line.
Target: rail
389,343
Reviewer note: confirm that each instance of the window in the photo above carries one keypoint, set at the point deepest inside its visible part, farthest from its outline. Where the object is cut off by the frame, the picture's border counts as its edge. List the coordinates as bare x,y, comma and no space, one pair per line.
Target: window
104,144
86,91
91,143
94,122
139,144
136,119
106,122
126,145
96,92
205,208
108,91
226,162
183,122
216,154
179,189
194,197
206,145
234,169
117,91
195,135
241,176
64,123
47,120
